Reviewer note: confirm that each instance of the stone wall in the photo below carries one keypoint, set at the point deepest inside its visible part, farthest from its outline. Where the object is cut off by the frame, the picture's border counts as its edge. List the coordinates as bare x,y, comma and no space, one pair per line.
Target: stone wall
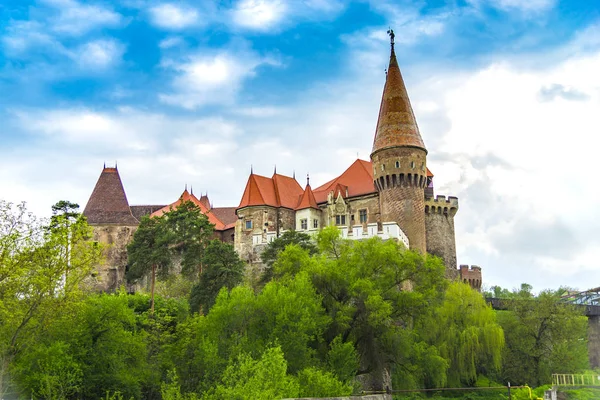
439,229
400,175
111,273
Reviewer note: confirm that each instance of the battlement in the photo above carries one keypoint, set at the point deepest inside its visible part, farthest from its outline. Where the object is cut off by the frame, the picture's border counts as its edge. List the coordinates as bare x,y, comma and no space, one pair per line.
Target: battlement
441,205
471,275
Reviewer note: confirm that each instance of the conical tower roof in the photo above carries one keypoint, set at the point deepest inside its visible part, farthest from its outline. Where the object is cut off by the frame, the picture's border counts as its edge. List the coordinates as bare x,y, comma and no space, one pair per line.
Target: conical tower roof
307,200
108,202
396,126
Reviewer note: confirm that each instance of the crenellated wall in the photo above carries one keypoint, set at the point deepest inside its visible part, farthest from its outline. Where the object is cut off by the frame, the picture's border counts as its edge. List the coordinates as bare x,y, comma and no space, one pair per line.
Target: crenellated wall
471,275
439,228
400,176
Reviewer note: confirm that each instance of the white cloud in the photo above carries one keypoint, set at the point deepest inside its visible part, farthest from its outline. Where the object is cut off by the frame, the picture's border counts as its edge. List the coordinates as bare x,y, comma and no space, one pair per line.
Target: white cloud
99,54
170,42
205,79
258,14
74,18
171,16
517,5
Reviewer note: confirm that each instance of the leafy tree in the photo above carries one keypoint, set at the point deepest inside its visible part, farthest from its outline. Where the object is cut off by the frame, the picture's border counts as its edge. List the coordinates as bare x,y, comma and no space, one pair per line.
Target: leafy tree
222,267
91,347
543,336
274,249
148,252
262,379
177,238
465,331
189,232
34,263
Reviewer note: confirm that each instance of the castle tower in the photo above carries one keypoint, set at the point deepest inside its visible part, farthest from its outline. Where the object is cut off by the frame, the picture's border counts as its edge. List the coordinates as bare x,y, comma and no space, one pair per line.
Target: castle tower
113,224
399,159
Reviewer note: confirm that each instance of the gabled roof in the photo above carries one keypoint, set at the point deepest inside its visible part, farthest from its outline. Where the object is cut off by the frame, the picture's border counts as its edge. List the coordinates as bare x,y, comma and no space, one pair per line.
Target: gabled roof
108,202
396,125
186,196
307,200
278,191
356,180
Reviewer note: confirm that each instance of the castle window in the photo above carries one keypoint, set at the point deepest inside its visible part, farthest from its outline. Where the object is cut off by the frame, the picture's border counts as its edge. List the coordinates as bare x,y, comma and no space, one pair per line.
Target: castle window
397,164
412,164
248,224
340,220
423,167
382,167
315,223
362,215
304,224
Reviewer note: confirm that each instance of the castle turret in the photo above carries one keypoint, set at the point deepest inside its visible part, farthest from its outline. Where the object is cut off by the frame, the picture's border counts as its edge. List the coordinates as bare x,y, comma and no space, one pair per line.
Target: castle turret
399,159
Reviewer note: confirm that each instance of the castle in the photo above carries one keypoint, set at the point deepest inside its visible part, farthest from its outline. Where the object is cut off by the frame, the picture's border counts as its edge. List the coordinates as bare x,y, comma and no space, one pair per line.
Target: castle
391,196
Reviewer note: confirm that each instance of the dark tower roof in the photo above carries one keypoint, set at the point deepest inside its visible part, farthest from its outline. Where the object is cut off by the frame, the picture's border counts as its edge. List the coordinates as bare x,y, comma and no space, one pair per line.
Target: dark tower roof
396,126
108,202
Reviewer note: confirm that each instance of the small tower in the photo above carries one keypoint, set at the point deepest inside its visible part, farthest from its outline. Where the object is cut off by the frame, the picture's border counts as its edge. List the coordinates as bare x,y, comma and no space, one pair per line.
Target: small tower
399,159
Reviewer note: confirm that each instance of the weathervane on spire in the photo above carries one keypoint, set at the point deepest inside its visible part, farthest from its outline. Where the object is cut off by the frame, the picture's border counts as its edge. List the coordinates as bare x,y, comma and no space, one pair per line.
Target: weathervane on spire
392,36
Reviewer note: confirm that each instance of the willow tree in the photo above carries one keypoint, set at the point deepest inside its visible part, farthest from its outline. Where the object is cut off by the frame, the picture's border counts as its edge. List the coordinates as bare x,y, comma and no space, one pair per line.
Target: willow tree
465,332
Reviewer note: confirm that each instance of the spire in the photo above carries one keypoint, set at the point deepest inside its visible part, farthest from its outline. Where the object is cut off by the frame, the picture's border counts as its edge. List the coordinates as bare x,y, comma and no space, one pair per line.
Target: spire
396,126
108,202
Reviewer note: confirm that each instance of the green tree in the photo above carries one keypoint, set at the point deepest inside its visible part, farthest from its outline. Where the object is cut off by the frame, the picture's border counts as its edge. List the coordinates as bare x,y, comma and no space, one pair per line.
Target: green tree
148,252
371,290
90,348
222,267
177,238
38,275
274,249
465,332
543,336
189,232
262,379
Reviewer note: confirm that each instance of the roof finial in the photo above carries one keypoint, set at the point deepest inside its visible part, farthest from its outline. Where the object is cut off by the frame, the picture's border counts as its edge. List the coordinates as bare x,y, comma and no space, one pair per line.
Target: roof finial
392,36
191,190
104,164
116,164
307,179
275,170
251,170
294,174
186,187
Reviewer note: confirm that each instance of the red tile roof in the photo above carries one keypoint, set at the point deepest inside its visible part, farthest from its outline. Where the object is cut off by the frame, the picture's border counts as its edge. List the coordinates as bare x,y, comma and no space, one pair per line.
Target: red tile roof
186,196
356,180
278,191
108,202
307,200
396,125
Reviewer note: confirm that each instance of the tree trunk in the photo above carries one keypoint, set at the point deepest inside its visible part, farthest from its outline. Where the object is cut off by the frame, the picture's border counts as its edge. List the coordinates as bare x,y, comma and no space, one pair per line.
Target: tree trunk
153,280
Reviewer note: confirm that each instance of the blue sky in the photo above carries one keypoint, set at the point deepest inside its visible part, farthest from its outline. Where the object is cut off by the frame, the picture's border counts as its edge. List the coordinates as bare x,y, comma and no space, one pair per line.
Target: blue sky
506,93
